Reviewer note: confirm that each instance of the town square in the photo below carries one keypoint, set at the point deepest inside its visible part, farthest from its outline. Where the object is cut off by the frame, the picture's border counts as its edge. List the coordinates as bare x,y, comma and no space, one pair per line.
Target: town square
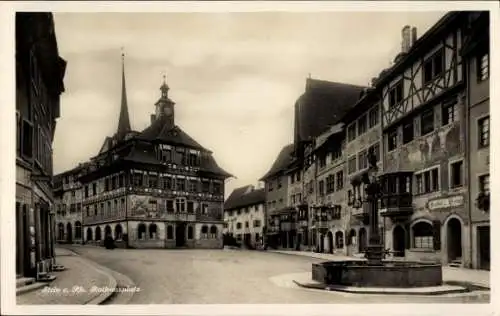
252,157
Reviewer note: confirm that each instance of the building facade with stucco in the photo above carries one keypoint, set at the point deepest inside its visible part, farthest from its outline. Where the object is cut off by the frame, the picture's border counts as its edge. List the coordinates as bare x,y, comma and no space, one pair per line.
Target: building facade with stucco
477,70
244,217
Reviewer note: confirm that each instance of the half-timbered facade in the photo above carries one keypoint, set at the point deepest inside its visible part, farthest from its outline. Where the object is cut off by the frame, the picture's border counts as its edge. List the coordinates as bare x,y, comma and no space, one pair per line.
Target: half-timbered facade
39,83
157,188
476,58
423,125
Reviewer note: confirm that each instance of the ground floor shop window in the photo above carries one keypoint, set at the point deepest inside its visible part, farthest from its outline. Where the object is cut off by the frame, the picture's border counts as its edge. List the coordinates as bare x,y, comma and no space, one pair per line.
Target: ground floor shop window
423,236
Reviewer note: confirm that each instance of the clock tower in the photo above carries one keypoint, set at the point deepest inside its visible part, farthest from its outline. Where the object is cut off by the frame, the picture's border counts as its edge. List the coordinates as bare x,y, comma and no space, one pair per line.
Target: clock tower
165,106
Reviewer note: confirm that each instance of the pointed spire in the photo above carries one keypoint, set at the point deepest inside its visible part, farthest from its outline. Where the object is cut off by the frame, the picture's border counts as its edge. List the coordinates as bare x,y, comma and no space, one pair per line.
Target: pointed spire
124,121
164,87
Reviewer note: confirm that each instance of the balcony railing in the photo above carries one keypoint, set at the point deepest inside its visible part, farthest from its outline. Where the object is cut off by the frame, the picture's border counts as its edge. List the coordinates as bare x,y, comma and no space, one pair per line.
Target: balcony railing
396,205
396,200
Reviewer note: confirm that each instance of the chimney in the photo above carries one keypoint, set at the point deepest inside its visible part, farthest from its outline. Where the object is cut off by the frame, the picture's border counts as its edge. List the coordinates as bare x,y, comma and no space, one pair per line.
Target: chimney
153,118
413,35
405,34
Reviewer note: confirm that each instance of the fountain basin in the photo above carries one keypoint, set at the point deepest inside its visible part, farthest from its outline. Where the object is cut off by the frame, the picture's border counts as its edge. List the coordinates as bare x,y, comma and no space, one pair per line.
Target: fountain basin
390,274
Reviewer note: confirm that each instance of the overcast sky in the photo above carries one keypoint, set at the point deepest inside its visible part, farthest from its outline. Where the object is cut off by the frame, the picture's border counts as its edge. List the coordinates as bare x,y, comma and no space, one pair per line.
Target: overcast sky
234,76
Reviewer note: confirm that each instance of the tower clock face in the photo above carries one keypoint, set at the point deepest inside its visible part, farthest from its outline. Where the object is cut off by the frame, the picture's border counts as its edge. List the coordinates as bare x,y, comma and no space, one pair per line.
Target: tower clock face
168,111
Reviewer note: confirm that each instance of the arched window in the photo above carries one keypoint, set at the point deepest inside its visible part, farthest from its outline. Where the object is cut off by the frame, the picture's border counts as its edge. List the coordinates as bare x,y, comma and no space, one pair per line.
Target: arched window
60,231
118,232
141,231
89,233
190,232
78,230
107,231
352,236
204,232
152,231
69,233
170,232
339,240
98,233
423,235
213,232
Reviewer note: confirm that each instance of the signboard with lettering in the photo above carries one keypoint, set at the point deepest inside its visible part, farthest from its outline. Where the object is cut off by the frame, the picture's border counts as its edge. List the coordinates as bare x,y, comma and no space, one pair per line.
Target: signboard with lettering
449,202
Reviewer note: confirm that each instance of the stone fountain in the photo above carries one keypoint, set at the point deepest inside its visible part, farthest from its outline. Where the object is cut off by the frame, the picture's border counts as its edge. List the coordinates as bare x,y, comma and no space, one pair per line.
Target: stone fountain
375,271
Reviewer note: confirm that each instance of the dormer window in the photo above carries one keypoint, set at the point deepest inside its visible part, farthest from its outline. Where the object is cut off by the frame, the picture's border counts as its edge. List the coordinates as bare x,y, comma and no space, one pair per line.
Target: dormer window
165,153
194,158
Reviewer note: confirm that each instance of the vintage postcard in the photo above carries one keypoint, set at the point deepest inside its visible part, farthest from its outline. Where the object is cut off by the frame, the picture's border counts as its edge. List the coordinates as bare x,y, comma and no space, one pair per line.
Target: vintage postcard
165,155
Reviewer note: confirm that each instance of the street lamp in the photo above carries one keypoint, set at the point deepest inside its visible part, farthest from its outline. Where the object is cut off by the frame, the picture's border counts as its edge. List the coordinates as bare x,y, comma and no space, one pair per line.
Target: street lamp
374,251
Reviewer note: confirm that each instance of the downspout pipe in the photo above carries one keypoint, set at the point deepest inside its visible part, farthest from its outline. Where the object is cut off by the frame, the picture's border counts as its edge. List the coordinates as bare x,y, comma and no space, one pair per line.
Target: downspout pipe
466,103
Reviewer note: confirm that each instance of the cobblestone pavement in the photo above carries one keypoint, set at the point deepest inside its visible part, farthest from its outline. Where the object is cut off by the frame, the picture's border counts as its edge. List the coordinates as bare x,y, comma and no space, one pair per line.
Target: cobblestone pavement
226,277
78,279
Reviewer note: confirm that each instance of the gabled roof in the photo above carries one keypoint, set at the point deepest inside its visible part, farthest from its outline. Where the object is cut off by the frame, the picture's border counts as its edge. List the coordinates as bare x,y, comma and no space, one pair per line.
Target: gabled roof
322,139
106,145
322,105
210,165
283,160
433,35
244,196
159,131
145,153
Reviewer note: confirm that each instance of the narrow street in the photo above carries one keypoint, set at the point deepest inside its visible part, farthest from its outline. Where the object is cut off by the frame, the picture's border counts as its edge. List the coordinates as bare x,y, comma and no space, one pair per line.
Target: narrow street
227,277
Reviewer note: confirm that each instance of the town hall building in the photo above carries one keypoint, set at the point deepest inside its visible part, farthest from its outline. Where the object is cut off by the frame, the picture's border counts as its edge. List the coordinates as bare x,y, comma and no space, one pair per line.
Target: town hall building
157,188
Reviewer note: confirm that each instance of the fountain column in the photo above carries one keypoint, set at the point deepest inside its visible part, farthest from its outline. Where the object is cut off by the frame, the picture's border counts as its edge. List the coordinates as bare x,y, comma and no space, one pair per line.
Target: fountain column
375,251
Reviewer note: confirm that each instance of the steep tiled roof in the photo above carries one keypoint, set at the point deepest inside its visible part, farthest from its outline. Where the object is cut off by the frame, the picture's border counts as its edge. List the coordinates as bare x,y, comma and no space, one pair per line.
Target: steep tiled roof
142,154
244,196
283,160
322,105
210,165
159,130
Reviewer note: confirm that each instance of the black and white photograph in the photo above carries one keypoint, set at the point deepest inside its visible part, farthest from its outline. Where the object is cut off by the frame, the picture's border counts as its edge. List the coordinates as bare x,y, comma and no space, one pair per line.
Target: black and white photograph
171,154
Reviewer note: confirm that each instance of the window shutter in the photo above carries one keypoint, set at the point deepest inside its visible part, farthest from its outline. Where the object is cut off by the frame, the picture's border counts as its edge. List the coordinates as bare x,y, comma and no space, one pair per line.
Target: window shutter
408,240
437,234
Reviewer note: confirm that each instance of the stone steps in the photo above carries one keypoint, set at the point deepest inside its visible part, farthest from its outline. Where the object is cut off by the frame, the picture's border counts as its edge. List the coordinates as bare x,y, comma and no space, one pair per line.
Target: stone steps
24,285
22,281
457,263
